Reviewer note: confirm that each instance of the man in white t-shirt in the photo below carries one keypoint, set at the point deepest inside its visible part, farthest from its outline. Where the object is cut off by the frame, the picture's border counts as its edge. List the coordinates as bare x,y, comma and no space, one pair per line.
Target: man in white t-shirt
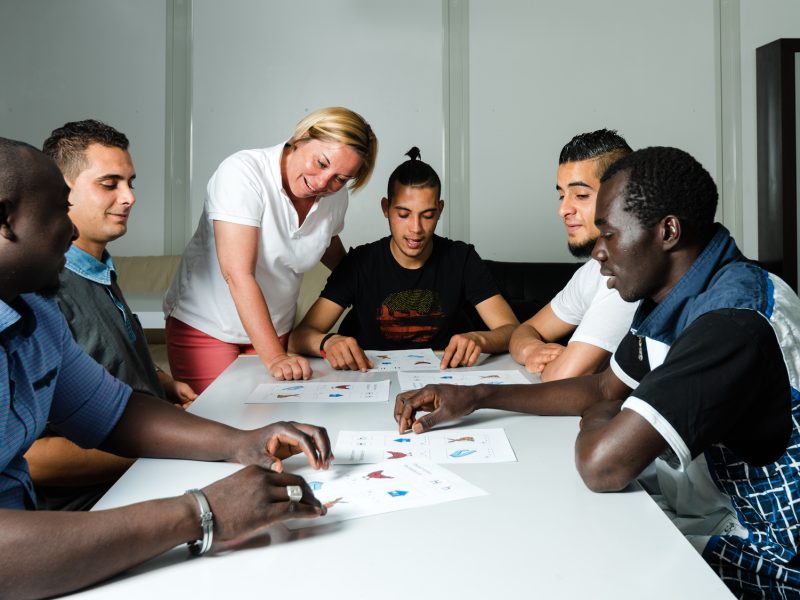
595,315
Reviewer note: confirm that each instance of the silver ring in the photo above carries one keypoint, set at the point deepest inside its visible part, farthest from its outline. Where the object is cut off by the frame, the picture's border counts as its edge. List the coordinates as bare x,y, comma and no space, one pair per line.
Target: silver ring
295,493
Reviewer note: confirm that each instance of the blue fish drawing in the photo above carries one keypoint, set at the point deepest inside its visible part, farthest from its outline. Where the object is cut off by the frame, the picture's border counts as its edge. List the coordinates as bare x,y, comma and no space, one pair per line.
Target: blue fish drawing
335,395
397,493
461,453
402,440
315,485
415,356
445,377
294,387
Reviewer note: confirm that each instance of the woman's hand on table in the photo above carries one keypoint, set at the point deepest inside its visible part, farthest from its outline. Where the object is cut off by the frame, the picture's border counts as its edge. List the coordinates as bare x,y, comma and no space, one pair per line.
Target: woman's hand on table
286,368
441,402
268,445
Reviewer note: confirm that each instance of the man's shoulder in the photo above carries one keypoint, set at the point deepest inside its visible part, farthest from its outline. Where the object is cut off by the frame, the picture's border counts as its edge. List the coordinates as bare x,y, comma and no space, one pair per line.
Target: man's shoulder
368,251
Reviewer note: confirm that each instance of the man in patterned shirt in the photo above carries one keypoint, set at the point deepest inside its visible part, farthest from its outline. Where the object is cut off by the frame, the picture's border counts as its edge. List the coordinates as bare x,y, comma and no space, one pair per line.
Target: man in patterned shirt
706,382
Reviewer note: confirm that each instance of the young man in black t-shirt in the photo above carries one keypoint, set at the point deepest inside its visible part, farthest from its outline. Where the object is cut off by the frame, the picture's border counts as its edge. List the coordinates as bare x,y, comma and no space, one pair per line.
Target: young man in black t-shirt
408,289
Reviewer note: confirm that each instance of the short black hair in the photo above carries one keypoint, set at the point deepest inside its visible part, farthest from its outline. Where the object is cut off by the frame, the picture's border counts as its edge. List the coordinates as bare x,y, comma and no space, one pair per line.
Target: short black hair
12,165
603,145
67,145
413,173
667,181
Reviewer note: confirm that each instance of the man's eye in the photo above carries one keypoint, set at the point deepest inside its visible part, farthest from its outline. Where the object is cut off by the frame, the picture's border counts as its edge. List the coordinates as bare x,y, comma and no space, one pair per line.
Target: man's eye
582,196
109,186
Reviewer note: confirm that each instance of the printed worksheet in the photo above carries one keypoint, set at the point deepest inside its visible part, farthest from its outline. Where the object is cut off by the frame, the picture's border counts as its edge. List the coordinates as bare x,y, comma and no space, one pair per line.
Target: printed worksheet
440,446
403,360
320,391
352,491
415,381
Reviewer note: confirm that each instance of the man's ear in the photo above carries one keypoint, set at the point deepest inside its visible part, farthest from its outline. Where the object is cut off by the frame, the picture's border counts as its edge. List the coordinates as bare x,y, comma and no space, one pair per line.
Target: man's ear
385,207
671,231
6,208
441,206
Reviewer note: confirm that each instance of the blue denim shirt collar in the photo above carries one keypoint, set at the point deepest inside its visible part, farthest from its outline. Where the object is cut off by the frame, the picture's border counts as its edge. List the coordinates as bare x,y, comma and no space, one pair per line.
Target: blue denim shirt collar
668,318
87,266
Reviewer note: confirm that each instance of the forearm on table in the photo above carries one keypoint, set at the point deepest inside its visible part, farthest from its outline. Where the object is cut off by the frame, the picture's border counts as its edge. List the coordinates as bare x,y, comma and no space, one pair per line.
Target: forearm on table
305,340
43,553
522,342
496,340
57,461
567,397
254,314
152,428
577,359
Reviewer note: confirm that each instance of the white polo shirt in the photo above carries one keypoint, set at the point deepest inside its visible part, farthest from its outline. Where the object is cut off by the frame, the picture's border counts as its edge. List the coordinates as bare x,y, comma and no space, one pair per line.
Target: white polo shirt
246,189
601,316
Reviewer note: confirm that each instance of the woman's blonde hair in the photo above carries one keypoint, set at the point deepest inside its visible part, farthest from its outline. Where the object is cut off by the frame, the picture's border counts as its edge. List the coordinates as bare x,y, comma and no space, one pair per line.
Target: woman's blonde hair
342,125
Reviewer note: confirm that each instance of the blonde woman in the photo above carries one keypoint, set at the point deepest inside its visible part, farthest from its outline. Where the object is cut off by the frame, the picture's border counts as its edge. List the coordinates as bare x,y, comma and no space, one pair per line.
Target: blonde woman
270,215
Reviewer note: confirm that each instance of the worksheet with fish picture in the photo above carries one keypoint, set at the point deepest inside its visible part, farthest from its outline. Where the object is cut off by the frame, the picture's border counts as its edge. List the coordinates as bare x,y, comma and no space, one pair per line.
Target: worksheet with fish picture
320,391
414,381
385,361
440,446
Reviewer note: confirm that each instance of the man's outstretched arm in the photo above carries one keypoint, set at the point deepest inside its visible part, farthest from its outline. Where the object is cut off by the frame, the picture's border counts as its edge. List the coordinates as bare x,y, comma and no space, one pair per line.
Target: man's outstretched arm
447,402
152,428
465,348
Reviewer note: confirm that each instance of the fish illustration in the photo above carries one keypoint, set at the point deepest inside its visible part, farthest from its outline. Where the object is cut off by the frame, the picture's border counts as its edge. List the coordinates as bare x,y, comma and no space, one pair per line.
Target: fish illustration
393,454
378,475
462,453
465,438
397,493
287,395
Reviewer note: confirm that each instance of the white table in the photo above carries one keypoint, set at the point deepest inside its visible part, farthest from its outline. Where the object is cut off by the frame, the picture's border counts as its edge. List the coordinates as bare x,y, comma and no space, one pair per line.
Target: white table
540,533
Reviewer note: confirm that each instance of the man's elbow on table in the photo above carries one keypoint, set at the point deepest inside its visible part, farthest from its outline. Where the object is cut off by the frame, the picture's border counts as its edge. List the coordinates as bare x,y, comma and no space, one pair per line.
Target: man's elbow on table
601,471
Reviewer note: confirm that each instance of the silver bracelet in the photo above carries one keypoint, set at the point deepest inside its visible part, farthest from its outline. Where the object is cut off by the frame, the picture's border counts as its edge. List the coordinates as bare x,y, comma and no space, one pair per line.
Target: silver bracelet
200,547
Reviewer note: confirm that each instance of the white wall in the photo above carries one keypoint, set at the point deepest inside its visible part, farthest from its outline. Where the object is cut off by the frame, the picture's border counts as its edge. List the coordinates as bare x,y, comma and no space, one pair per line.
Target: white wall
762,22
539,73
102,59
542,72
260,66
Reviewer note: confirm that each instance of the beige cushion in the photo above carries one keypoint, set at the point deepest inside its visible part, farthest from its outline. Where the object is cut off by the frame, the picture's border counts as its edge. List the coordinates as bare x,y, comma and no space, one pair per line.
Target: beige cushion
146,274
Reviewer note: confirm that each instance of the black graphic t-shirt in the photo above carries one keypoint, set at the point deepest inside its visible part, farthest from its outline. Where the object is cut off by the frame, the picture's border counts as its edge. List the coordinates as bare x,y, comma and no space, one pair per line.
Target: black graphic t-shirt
396,308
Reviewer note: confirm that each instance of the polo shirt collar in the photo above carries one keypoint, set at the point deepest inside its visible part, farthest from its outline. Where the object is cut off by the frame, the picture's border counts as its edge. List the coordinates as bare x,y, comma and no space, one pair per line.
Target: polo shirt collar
87,266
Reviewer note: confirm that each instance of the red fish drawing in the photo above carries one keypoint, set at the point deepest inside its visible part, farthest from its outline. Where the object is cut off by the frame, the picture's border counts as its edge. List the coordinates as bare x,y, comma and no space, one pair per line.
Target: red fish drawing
342,387
393,454
378,475
466,438
490,376
422,362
